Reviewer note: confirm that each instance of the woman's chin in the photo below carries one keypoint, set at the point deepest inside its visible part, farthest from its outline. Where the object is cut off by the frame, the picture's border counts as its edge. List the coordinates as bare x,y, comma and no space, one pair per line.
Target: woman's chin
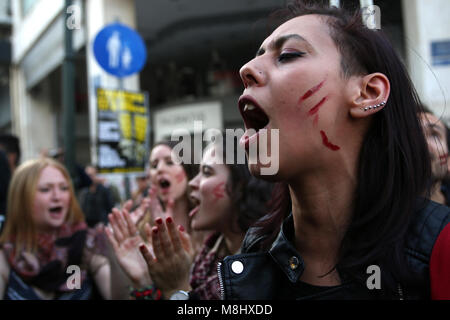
56,224
199,225
172,194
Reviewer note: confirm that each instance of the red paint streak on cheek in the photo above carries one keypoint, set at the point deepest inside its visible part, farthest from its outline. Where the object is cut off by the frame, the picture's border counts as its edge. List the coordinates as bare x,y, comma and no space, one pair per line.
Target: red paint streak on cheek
443,159
327,143
219,191
316,108
316,120
311,91
180,177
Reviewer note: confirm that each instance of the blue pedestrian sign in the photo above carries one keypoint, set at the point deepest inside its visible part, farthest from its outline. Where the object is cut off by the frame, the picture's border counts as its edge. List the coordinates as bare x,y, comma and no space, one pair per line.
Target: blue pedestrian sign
120,50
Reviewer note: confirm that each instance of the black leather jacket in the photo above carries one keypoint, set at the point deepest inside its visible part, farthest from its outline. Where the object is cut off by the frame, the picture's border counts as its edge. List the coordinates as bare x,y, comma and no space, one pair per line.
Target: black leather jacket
275,274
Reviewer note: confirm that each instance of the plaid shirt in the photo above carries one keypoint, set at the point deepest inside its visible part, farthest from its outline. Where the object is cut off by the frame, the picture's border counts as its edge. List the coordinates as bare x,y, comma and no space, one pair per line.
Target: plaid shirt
204,279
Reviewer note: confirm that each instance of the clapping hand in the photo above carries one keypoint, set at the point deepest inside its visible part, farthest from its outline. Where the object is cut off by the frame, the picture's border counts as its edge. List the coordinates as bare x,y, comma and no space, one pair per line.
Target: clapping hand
138,213
125,240
170,264
149,205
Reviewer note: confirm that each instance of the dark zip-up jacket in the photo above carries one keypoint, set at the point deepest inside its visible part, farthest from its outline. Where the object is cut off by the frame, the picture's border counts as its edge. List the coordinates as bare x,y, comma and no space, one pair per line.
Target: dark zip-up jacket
275,274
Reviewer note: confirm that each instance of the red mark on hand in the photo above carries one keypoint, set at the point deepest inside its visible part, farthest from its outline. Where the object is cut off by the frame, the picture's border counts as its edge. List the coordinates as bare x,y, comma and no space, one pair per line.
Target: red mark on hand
327,143
311,91
219,190
316,108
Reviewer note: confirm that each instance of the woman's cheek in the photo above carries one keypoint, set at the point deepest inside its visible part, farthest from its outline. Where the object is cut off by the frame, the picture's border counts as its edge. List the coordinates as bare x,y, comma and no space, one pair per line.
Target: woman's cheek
212,193
180,176
37,214
68,204
218,191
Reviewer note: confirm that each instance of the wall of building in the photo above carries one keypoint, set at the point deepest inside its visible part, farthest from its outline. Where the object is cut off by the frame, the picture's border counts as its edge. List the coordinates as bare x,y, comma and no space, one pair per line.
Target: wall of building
427,22
28,29
5,60
38,51
34,119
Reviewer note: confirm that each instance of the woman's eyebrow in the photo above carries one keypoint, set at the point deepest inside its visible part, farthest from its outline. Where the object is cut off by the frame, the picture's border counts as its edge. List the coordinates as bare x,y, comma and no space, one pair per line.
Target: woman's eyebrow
45,184
278,43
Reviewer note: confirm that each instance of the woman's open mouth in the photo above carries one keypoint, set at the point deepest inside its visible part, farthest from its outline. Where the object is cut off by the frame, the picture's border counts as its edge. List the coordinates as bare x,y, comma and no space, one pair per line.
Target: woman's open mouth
254,118
164,185
56,212
196,202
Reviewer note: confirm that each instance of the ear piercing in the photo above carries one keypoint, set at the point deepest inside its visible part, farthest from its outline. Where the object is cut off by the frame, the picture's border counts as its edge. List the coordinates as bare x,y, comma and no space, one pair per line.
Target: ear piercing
375,106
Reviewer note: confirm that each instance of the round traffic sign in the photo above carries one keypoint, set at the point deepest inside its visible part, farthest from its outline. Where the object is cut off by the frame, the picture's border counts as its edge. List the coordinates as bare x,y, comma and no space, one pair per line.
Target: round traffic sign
120,50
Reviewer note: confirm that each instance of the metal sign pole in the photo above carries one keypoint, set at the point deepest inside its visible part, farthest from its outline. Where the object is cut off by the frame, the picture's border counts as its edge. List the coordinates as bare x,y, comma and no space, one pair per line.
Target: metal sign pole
126,175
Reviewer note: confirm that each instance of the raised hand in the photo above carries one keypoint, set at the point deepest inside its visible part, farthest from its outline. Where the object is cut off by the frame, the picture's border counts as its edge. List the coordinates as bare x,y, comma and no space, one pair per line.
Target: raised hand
139,213
125,240
170,264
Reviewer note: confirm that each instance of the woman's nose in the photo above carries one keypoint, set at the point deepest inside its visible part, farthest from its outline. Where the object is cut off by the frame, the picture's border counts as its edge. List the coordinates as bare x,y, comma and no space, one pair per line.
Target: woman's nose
161,166
56,193
252,75
193,183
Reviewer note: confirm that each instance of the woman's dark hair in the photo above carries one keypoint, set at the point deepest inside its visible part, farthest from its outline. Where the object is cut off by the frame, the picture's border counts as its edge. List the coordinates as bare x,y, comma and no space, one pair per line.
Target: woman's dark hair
11,144
394,165
249,195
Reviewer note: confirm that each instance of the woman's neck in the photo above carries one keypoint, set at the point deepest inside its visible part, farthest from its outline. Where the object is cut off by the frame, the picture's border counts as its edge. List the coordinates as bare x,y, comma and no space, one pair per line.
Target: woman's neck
322,209
48,232
436,194
233,241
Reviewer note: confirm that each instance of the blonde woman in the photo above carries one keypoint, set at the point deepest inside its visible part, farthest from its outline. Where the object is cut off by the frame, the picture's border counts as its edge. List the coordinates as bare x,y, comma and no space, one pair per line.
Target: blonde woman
46,250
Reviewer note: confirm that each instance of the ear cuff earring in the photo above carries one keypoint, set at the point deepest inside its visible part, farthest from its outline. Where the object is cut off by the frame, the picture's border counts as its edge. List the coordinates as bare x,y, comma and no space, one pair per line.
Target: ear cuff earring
375,106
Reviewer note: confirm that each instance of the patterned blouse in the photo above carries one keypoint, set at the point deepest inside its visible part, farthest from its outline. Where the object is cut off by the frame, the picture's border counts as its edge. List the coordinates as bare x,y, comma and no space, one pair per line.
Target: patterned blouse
204,279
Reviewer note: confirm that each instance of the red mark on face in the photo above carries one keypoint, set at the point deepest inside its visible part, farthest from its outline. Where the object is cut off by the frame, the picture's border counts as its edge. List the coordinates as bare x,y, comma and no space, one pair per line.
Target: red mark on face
180,177
316,120
443,159
316,108
327,143
219,191
311,91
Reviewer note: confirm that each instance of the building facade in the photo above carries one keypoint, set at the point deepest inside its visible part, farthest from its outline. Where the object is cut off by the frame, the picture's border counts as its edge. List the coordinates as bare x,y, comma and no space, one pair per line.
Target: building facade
5,61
